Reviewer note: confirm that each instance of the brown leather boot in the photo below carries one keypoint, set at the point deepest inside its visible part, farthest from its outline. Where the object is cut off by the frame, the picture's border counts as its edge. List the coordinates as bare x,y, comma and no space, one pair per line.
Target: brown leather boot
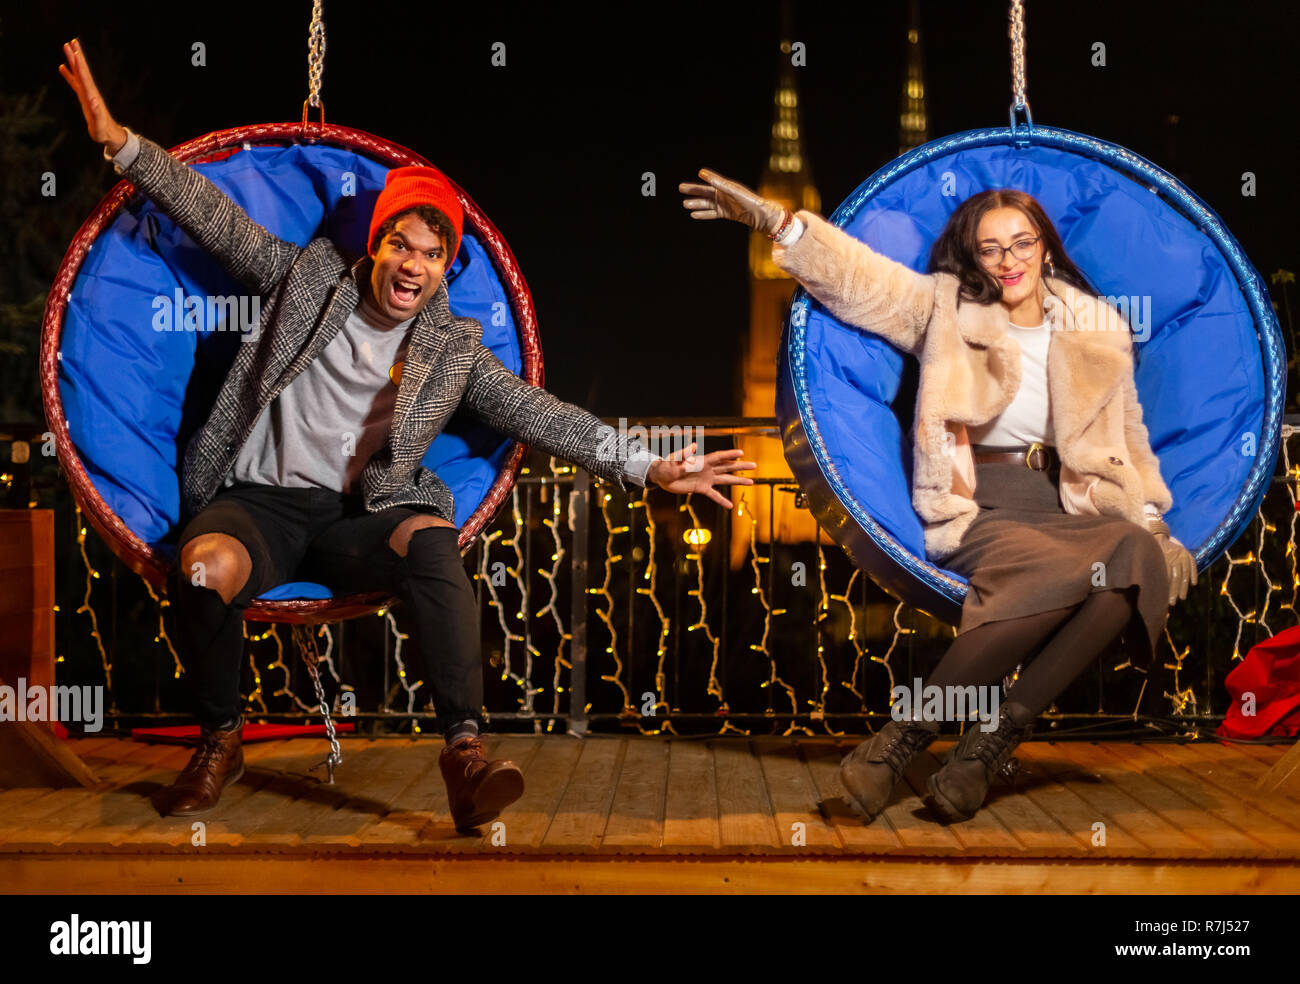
217,762
477,790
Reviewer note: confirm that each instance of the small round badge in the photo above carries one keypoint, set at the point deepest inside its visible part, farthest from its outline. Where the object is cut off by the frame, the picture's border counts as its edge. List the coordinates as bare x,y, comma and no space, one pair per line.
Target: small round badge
395,373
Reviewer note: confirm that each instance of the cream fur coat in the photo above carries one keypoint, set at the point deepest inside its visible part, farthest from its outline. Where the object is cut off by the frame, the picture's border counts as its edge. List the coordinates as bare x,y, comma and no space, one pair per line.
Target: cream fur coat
970,372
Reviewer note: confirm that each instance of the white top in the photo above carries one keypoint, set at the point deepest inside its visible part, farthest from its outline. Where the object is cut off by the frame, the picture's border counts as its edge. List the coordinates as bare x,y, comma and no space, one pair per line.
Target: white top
1028,418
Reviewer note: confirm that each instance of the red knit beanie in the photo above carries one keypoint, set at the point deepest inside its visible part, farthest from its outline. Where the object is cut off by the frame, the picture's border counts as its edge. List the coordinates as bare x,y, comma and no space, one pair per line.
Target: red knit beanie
407,187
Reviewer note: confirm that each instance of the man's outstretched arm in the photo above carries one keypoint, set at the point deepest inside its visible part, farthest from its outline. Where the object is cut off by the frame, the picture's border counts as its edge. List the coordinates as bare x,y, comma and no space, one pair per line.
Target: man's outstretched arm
541,420
216,223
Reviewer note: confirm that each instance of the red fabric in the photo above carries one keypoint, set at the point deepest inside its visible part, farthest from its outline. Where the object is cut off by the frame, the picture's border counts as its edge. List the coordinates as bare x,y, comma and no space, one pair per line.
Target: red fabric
1270,671
406,187
252,732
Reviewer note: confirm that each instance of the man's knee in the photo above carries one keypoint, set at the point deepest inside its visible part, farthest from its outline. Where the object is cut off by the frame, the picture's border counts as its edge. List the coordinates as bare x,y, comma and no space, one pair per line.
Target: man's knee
216,561
400,540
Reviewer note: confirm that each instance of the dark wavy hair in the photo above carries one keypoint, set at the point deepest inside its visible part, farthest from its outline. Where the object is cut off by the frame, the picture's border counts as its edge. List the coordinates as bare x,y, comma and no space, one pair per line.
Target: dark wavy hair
955,250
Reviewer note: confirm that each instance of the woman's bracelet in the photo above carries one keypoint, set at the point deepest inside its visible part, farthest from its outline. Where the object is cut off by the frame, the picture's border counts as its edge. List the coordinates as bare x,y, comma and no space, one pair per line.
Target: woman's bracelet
787,220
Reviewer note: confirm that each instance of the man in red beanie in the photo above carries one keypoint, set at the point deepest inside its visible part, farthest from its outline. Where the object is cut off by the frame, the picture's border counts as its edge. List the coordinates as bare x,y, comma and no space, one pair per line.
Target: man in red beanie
311,456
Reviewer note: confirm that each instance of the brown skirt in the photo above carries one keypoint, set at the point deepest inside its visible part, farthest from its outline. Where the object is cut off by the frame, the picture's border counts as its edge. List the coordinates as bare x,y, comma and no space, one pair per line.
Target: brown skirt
1024,554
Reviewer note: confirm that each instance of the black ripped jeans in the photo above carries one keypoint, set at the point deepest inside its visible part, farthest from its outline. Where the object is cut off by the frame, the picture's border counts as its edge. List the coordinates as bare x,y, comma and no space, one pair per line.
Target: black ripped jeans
326,537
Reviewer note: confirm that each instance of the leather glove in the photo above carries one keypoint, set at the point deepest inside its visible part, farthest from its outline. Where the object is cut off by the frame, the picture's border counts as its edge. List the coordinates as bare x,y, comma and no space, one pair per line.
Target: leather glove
722,198
1181,566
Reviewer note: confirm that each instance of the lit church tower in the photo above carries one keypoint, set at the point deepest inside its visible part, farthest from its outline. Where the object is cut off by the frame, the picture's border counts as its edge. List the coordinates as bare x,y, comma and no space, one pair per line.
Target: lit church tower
913,121
787,178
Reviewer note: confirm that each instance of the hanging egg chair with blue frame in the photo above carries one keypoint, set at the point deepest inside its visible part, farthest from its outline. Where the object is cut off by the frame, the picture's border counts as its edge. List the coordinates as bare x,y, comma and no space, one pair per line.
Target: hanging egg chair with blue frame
1210,365
123,389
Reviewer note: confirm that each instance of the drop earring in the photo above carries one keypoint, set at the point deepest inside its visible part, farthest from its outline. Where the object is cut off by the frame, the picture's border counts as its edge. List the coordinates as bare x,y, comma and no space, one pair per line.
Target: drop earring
1051,269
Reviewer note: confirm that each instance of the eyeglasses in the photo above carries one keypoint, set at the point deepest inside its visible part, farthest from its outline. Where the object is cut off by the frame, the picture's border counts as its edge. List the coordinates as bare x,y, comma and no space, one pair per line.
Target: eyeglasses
1023,249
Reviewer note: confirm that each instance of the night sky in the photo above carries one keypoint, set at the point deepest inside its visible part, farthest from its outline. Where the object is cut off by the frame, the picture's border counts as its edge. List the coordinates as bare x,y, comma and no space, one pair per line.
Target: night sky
642,311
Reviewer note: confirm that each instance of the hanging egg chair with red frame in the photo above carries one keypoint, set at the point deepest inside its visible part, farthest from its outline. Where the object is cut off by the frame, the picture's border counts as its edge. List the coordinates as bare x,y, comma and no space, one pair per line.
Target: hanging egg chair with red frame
122,396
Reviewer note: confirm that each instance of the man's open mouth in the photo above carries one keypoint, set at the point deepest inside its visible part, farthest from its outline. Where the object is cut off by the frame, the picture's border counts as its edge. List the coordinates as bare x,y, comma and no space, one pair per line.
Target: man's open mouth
404,292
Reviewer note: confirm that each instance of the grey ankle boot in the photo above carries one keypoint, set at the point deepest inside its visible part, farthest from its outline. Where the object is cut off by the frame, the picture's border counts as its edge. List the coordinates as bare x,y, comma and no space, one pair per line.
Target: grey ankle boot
960,787
869,772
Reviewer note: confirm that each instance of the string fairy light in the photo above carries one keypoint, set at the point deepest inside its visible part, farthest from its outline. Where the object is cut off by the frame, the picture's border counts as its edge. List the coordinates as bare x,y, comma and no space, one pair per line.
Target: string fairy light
859,650
773,678
714,685
524,679
651,591
509,637
551,576
402,676
606,614
85,608
1181,694
160,604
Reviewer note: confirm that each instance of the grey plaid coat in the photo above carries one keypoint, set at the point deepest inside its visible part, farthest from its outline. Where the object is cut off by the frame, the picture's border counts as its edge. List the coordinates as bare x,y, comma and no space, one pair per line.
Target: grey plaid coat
309,293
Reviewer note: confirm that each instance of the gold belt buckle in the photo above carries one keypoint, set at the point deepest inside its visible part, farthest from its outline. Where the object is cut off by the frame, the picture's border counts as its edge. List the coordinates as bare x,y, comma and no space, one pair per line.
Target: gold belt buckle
1036,446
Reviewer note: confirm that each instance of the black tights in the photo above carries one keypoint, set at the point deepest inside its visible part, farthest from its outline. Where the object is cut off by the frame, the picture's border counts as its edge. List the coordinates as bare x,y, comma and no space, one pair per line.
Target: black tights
1070,640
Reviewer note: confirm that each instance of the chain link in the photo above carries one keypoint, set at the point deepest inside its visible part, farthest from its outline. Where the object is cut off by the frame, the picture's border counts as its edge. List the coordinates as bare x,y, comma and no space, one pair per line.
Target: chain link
306,642
315,53
1018,54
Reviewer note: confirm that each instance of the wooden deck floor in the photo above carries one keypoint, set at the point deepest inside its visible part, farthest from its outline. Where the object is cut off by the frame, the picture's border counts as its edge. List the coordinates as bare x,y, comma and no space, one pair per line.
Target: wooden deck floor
647,814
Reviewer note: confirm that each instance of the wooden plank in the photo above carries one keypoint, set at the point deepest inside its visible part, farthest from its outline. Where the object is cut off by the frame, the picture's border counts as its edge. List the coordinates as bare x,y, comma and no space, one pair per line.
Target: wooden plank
131,817
370,795
583,812
795,798
636,816
419,817
853,833
911,819
11,799
308,796
52,817
31,755
1040,833
90,749
254,816
183,874
1221,840
1235,772
1269,754
1274,839
1284,772
1206,838
745,820
691,804
983,833
1115,808
1072,811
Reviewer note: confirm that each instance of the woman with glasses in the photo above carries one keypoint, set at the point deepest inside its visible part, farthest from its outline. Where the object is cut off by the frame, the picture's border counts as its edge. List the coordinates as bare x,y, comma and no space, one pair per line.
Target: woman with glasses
1033,473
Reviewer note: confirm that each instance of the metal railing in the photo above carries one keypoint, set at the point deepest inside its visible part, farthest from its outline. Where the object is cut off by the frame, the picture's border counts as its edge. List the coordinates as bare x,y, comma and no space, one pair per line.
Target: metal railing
604,609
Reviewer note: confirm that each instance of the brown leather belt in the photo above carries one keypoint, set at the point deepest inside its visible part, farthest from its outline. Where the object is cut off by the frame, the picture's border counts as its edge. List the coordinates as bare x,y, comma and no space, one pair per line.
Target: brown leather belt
1036,457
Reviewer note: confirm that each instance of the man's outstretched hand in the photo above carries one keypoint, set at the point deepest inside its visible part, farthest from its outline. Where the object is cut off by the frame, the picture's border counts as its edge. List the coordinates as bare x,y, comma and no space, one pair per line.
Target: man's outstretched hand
684,472
99,122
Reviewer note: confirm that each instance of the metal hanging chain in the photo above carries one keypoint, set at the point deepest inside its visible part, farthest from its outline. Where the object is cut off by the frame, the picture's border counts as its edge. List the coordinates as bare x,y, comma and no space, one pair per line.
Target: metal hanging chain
306,641
1018,55
1019,104
315,60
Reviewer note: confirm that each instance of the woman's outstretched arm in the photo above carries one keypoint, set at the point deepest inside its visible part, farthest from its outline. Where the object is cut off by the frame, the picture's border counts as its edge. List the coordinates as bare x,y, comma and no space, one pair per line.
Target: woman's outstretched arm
858,285
855,283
